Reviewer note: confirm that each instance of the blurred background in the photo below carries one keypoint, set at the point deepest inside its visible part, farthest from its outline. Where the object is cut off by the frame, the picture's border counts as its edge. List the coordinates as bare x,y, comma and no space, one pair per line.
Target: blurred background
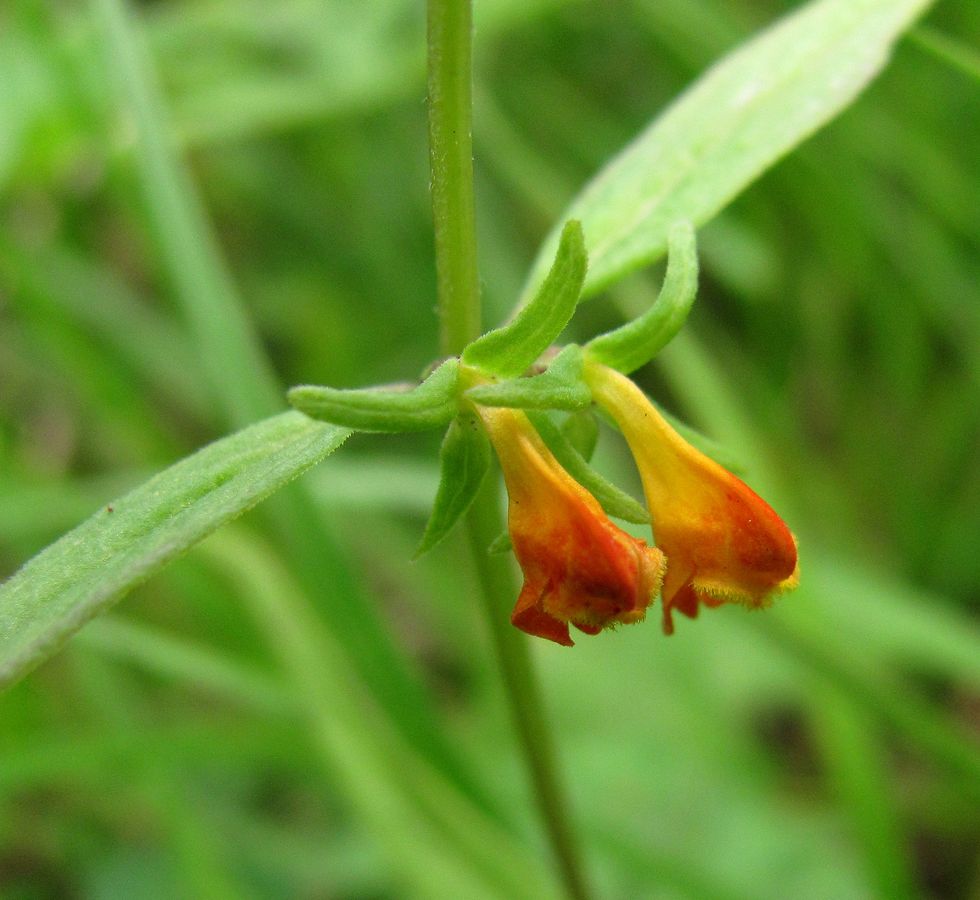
825,749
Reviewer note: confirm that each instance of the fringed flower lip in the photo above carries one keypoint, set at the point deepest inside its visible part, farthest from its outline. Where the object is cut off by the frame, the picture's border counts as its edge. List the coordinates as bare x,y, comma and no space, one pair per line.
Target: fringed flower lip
723,542
579,568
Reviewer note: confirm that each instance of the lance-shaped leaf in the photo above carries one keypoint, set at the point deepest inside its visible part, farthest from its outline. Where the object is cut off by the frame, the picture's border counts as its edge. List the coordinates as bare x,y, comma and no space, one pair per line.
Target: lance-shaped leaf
510,350
560,386
637,342
463,462
430,405
613,500
93,566
736,121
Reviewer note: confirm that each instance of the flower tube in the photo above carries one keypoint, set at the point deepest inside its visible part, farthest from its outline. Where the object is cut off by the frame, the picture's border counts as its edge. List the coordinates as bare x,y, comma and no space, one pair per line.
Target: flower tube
724,543
579,568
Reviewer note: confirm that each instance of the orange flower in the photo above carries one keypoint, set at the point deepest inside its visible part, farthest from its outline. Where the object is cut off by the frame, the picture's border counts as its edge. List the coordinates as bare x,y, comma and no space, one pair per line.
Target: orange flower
579,568
724,543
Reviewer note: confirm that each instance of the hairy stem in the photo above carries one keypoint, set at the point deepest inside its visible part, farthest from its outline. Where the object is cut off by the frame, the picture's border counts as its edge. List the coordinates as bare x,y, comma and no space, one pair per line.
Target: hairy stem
451,163
522,689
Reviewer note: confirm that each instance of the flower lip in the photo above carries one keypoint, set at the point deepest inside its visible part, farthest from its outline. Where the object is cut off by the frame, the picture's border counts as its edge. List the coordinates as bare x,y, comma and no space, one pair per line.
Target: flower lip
579,568
724,543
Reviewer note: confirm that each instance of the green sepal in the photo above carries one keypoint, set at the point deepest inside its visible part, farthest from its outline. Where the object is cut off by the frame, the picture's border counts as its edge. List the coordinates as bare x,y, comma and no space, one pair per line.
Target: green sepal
636,343
510,350
613,500
463,462
430,405
560,386
582,431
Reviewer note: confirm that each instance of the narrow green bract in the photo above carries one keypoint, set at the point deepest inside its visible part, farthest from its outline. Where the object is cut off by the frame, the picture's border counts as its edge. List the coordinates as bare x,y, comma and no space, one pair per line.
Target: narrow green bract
94,565
430,405
510,350
637,342
613,500
559,387
464,460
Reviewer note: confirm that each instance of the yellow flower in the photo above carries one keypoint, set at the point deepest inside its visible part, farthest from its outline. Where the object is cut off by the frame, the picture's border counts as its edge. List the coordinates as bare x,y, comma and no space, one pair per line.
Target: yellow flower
579,568
723,542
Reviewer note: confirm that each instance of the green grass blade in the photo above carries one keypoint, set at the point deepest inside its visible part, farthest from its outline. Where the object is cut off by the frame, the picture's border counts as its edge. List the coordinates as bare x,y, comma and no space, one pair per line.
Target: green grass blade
54,278
954,53
242,381
188,663
92,567
228,347
738,119
857,764
440,842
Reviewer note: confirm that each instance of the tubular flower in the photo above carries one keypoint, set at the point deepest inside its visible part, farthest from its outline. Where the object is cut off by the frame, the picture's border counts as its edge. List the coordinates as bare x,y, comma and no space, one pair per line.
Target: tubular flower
578,567
724,543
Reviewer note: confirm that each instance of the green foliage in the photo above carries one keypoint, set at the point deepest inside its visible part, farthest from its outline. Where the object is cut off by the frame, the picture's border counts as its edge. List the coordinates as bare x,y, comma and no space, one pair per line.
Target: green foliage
252,706
634,344
463,463
511,349
239,373
430,405
92,567
560,386
748,111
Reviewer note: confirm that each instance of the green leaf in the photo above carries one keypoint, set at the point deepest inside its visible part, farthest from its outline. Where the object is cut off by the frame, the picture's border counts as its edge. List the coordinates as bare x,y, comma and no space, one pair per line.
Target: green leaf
736,121
560,386
430,405
637,342
464,460
614,501
511,349
92,567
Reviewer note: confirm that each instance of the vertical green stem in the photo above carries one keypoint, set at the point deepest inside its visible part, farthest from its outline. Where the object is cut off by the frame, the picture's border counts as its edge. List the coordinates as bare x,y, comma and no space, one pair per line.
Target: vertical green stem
523,691
451,165
450,28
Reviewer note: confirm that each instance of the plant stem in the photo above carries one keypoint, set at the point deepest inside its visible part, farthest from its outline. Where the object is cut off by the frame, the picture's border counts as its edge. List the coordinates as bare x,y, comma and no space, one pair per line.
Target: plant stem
522,689
451,162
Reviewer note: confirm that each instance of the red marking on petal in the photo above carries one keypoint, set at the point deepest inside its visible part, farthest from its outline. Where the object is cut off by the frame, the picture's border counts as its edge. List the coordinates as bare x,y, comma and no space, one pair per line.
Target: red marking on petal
539,624
686,601
532,619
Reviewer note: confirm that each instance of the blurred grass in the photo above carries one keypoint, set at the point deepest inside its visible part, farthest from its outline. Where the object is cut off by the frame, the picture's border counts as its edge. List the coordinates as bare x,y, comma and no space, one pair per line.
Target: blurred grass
827,749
